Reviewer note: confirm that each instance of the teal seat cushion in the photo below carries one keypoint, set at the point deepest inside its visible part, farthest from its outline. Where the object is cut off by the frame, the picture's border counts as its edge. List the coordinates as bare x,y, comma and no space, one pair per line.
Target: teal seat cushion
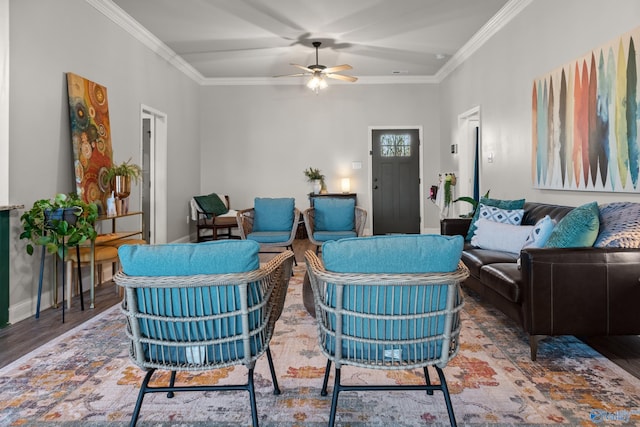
497,203
325,236
273,214
269,236
334,214
577,229
410,253
185,259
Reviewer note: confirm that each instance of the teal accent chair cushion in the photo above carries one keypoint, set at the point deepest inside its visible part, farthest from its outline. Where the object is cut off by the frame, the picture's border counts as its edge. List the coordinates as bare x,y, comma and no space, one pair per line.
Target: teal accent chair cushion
577,229
325,236
410,253
501,204
185,259
334,214
391,254
273,214
270,236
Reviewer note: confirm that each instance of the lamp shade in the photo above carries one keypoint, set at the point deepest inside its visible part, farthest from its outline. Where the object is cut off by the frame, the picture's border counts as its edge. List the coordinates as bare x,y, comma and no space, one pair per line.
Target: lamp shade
345,184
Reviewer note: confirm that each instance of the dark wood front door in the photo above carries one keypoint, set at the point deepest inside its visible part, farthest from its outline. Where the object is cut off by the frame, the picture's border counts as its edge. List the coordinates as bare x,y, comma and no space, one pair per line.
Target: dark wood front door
395,181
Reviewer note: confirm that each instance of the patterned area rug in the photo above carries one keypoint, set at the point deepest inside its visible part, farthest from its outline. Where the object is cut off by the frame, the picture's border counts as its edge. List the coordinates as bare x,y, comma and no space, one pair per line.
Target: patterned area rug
85,378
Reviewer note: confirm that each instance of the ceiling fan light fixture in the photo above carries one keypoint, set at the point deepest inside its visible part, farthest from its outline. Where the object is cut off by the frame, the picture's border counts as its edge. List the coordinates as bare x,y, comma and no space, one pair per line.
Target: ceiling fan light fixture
317,82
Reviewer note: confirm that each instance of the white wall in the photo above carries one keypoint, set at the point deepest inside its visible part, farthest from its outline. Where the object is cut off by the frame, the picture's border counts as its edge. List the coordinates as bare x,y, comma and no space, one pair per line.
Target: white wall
257,140
48,39
499,78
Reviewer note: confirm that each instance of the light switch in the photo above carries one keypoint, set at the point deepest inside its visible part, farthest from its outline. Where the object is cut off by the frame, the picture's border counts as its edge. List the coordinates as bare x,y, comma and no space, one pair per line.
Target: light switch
356,165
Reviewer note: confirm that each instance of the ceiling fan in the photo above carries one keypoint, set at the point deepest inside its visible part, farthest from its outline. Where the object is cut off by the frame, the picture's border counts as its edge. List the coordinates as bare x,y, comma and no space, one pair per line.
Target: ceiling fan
319,72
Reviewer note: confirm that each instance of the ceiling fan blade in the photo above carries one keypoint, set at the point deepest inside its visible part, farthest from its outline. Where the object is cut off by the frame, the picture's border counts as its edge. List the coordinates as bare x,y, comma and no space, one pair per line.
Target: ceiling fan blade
293,75
302,67
341,77
337,68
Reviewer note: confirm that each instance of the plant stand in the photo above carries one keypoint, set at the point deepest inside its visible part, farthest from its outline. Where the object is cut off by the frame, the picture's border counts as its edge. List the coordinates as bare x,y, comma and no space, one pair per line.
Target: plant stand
44,253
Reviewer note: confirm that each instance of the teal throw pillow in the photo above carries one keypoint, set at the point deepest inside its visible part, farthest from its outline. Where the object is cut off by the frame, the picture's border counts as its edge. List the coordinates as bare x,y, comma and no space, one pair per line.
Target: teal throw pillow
273,214
332,214
409,253
578,229
186,259
502,204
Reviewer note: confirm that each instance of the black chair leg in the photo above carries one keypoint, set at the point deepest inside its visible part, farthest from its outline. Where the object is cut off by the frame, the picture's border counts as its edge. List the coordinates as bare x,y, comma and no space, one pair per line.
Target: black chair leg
447,397
276,388
252,397
172,382
141,393
334,399
327,371
428,380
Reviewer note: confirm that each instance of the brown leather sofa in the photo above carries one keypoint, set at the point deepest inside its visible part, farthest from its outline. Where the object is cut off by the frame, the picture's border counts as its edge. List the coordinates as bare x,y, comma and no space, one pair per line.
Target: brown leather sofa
572,291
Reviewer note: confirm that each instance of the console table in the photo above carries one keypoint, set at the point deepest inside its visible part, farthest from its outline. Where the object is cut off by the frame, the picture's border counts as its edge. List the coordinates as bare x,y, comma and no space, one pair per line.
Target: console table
313,196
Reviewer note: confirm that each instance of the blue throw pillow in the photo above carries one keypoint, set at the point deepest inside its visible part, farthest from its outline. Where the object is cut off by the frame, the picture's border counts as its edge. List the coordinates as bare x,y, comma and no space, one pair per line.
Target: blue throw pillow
410,253
273,214
578,229
502,204
334,214
185,259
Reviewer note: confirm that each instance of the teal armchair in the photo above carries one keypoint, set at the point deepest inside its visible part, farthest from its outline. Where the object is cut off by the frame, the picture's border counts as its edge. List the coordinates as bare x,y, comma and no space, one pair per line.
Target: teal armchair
333,219
390,303
272,222
200,307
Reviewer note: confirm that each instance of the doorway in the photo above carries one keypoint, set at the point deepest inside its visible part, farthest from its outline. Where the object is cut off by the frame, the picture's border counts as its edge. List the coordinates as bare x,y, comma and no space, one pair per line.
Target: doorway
396,187
469,153
153,129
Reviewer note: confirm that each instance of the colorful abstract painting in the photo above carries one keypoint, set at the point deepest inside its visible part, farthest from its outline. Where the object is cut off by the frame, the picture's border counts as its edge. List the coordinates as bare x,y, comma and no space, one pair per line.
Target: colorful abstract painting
91,138
585,121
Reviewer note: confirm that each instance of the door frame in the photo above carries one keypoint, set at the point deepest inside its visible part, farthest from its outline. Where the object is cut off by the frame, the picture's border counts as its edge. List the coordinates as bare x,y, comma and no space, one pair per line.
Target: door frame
157,172
370,130
467,122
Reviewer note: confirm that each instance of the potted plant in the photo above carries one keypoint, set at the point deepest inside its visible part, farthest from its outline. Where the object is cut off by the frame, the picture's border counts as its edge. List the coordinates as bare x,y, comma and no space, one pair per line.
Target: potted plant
316,178
63,219
120,177
474,204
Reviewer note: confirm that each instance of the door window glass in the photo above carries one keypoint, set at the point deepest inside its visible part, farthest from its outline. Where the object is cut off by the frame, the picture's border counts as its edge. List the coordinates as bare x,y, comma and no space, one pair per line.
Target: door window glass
395,145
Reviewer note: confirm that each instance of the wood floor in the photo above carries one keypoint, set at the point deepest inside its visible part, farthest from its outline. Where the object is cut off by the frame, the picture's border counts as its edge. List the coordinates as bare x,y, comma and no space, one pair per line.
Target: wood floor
19,339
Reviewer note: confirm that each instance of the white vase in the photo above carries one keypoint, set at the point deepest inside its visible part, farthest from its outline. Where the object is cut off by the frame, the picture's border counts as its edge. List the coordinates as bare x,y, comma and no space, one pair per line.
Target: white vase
317,186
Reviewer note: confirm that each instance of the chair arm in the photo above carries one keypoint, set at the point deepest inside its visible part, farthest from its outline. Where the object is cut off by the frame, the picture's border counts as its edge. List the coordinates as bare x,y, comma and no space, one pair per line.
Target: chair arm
361,219
455,226
581,291
244,218
309,216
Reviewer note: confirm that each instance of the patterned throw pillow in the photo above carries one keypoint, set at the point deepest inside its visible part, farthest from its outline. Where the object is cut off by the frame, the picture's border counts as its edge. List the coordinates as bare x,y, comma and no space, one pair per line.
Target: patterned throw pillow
540,233
502,204
578,229
503,216
619,225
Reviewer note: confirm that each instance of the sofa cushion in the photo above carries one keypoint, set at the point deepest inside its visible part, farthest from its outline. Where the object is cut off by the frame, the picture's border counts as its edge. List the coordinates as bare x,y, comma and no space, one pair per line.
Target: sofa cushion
579,228
500,237
475,258
619,225
502,204
333,214
185,259
503,278
414,253
273,214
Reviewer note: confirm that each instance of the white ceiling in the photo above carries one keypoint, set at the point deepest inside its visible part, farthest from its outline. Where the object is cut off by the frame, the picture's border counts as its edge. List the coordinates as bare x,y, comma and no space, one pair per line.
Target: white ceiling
260,38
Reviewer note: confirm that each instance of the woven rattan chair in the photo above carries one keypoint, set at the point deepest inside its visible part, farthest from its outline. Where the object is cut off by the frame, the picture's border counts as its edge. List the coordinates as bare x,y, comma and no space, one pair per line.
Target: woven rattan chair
323,221
204,322
272,222
386,321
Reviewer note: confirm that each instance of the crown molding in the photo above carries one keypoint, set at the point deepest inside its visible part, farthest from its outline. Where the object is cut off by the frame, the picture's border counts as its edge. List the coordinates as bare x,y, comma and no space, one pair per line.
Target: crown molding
133,27
509,11
112,11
